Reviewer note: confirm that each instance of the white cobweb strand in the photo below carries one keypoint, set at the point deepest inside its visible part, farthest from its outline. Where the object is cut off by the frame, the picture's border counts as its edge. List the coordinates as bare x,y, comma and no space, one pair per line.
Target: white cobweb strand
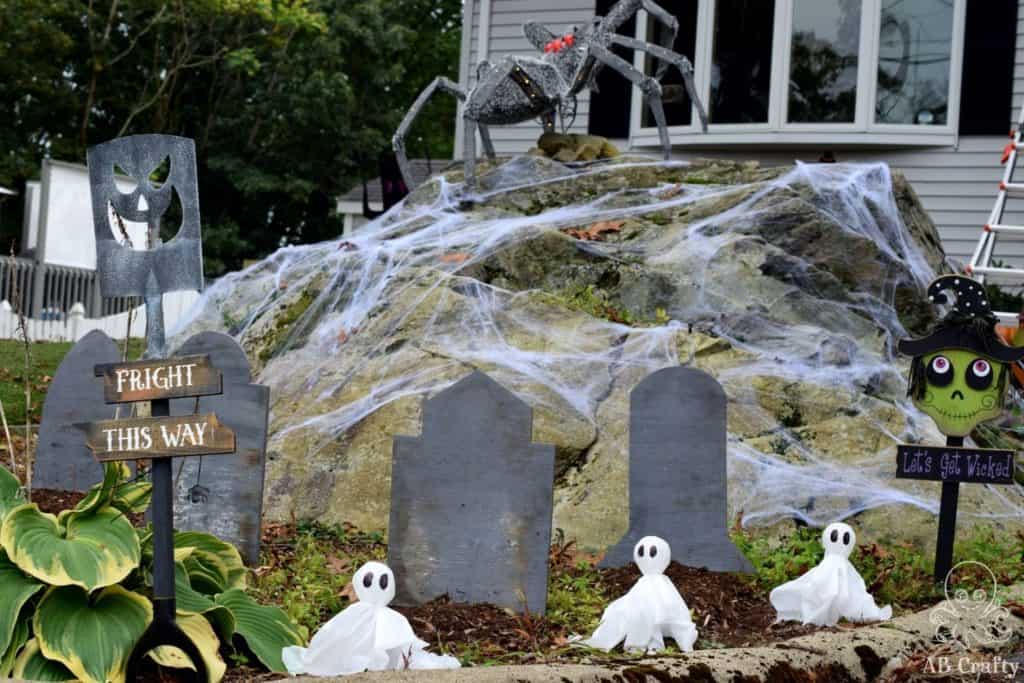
404,261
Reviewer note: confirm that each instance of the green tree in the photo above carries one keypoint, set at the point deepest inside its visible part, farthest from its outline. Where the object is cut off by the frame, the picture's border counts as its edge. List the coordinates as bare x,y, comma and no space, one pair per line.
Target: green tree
290,101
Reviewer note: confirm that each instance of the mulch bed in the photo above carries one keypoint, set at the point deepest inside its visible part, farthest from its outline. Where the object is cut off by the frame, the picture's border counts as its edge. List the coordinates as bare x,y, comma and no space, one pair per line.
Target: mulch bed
53,502
730,611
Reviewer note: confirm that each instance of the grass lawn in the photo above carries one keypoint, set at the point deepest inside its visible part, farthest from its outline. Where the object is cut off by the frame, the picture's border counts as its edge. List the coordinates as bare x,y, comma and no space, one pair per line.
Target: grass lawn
44,357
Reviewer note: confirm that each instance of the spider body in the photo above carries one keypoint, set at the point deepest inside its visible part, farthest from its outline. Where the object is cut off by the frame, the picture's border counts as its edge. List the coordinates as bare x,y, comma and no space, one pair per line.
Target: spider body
546,87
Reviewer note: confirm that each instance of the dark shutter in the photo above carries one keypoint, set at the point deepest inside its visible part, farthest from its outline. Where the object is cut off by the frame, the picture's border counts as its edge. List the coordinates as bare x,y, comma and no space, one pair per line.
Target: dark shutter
609,108
986,90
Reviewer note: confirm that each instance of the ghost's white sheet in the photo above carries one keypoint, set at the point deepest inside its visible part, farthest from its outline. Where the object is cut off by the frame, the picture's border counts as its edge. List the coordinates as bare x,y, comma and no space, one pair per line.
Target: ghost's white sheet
643,617
831,591
363,637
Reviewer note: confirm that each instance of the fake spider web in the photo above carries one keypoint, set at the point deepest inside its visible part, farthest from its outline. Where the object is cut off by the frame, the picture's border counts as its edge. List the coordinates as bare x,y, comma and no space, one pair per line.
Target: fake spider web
409,304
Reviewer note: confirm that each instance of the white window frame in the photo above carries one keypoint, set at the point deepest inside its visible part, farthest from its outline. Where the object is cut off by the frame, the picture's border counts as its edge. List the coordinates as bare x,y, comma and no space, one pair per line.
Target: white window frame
863,131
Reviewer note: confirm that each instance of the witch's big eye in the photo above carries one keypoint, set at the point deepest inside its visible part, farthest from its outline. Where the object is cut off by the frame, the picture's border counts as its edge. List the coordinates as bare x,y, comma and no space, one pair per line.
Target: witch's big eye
979,374
368,579
940,371
835,535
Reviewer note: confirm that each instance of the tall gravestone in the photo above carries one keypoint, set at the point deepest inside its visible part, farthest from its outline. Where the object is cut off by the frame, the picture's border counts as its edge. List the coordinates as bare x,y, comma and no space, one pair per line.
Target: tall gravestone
471,501
224,496
63,461
677,471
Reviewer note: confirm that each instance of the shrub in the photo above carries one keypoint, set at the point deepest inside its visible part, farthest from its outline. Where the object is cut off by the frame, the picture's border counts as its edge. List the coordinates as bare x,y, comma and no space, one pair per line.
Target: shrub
75,589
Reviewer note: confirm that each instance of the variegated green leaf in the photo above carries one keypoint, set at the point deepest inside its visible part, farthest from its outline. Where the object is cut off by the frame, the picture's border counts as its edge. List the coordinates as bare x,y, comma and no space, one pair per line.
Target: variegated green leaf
132,496
31,665
11,495
18,639
266,630
201,634
229,557
102,493
190,601
206,571
15,590
91,550
92,635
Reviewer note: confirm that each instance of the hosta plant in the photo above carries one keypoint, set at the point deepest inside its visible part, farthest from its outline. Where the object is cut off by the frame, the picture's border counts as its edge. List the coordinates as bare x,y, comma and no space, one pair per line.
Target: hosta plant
75,589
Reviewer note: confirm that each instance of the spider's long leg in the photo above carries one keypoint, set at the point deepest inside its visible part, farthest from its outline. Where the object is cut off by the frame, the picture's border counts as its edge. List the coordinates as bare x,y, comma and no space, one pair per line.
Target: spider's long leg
648,86
675,59
668,19
482,95
485,136
398,141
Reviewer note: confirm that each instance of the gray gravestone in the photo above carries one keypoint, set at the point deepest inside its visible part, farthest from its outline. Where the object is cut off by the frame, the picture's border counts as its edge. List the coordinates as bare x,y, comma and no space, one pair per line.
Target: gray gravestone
224,495
471,501
63,461
677,471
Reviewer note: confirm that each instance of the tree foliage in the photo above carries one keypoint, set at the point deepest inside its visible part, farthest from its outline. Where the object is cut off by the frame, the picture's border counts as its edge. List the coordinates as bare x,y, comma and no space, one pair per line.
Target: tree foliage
290,101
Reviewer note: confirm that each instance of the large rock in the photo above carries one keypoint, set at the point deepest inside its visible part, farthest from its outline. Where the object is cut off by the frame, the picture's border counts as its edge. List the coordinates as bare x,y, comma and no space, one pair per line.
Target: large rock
789,285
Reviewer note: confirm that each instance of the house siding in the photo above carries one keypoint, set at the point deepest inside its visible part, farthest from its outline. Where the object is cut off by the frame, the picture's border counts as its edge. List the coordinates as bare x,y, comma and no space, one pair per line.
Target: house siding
506,38
957,185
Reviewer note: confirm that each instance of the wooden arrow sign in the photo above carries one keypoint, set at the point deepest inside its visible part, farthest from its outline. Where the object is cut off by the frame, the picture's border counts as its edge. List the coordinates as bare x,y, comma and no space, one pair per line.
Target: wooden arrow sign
149,438
152,380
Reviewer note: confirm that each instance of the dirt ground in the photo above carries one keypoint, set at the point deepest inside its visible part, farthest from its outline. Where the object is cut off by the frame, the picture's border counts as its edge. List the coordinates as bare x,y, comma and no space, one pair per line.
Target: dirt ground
731,611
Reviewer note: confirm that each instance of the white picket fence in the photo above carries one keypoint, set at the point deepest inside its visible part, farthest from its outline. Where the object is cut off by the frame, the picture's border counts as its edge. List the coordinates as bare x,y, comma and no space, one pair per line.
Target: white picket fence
56,326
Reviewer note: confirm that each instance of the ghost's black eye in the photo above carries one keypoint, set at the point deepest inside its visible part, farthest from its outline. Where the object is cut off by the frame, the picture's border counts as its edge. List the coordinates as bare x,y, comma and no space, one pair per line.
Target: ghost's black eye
846,538
979,374
653,551
835,535
640,551
384,582
368,579
940,371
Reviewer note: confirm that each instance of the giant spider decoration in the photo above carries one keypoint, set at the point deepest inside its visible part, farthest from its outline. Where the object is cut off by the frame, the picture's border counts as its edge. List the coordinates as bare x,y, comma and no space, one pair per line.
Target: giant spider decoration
522,88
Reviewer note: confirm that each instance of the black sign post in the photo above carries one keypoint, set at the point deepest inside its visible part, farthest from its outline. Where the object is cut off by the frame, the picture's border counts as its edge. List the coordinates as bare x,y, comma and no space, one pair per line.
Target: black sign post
952,465
140,438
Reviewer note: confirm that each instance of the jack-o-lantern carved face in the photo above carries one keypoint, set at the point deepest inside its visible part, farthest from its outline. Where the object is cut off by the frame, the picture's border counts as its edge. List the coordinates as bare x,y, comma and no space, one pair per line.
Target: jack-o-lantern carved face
959,373
176,265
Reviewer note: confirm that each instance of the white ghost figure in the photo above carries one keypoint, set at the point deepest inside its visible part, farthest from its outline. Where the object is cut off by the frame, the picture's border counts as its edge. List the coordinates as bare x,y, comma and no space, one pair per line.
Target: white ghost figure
832,590
367,635
651,610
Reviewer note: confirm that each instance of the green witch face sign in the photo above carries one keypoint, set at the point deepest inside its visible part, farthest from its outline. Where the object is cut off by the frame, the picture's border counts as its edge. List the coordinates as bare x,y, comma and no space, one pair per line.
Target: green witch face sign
960,370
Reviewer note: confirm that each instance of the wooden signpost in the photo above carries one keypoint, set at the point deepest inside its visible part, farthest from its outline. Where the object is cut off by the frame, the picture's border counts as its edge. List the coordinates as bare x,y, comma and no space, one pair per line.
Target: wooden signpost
149,438
146,380
952,464
159,438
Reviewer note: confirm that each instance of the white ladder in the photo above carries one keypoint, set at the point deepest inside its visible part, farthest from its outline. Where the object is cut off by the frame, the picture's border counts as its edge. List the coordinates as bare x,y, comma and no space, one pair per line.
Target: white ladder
980,266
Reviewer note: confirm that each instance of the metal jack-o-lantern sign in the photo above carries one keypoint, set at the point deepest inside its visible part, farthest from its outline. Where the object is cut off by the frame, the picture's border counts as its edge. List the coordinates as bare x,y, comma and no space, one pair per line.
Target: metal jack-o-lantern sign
176,265
125,271
959,377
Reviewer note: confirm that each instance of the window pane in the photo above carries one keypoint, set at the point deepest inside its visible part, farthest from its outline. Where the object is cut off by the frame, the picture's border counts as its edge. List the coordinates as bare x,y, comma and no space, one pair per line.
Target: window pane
823,63
674,97
915,45
741,61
